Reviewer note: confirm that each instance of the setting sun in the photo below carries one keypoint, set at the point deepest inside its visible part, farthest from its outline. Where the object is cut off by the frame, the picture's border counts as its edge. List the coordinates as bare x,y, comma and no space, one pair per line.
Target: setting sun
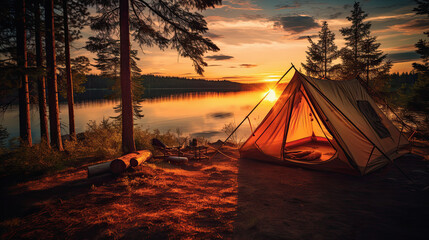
271,95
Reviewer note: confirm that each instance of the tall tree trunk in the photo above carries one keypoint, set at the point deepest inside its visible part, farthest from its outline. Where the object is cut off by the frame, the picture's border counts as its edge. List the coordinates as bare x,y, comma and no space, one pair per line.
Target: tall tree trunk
51,65
128,144
24,95
367,73
70,99
41,85
325,53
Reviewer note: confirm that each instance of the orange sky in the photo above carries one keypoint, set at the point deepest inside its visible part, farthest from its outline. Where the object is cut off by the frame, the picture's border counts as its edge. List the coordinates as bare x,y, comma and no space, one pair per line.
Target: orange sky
259,39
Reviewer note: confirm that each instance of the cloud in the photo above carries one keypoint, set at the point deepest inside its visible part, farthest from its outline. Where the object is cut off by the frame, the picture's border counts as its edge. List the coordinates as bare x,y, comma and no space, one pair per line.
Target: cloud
287,6
247,65
296,24
252,16
240,5
214,65
388,17
219,57
213,35
305,37
347,6
403,57
335,15
413,26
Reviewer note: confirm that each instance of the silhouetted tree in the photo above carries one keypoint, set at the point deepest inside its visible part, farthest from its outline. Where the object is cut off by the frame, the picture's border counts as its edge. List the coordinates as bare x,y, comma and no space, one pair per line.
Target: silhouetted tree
361,54
24,93
108,62
321,55
161,23
41,83
51,67
80,68
79,16
419,99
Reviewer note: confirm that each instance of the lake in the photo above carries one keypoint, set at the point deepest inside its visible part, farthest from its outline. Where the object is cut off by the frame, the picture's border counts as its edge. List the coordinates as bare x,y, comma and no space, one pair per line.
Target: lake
195,114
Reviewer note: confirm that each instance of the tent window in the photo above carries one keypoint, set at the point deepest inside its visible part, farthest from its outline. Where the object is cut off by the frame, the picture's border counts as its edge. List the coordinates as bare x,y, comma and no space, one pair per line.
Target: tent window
373,119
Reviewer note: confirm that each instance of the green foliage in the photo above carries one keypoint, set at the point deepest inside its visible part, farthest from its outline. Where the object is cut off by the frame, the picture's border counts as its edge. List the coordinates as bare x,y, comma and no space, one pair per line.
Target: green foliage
321,55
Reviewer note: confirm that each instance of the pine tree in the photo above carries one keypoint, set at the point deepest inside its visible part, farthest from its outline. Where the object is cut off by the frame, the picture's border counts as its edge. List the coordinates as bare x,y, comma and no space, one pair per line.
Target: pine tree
108,62
321,55
354,36
41,83
419,99
24,92
51,76
161,23
79,17
362,56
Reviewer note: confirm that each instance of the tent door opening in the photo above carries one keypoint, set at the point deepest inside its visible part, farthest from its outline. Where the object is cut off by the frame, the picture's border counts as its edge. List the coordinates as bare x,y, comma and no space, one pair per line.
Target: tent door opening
306,138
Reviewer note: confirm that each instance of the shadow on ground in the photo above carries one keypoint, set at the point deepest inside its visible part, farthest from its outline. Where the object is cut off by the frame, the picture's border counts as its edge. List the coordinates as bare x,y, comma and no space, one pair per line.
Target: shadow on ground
277,202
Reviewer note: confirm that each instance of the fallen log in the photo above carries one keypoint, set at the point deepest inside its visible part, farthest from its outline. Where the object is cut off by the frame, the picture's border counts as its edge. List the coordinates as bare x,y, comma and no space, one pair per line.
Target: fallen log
177,160
99,169
120,164
143,157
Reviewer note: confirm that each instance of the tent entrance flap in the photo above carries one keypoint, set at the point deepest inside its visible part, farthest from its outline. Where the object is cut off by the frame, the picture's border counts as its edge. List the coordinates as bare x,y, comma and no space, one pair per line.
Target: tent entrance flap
307,138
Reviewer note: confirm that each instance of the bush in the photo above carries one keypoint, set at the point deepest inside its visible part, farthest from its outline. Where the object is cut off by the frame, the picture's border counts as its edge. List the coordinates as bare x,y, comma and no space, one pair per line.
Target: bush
99,141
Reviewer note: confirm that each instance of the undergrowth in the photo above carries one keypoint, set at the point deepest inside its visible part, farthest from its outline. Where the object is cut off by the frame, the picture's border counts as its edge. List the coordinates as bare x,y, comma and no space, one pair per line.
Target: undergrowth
101,140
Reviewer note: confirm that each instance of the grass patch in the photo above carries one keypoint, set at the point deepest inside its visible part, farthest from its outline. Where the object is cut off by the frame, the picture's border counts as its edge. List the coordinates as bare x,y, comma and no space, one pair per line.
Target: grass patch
101,140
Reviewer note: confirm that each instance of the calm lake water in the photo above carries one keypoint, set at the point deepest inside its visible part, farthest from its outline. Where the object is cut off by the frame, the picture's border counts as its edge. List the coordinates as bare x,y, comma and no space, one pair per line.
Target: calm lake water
196,114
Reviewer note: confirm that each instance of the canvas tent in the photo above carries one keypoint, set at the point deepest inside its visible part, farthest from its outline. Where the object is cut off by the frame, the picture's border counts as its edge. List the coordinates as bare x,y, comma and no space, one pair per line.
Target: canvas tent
325,124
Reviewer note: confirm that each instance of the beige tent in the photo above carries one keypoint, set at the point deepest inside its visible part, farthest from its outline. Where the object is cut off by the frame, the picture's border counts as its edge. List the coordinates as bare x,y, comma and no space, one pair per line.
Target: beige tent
325,124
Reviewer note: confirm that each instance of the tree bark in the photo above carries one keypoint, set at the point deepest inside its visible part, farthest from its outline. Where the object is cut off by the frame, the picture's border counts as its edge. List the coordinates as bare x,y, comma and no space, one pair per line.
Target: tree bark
23,94
41,85
51,65
70,100
325,53
128,144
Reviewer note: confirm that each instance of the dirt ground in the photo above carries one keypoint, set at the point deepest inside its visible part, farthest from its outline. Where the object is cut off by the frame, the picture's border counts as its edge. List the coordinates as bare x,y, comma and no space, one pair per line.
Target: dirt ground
222,198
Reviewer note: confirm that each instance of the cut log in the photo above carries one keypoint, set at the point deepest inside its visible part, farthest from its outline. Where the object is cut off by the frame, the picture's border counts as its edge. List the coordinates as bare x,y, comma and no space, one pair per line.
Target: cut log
99,169
120,164
142,157
177,160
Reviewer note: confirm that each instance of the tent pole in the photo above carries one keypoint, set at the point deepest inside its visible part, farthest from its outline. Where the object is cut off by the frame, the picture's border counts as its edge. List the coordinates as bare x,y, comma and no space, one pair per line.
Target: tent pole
360,131
286,131
277,83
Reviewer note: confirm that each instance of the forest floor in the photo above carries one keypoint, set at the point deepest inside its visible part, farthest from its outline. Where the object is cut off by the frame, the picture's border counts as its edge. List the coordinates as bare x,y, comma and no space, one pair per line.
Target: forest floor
222,198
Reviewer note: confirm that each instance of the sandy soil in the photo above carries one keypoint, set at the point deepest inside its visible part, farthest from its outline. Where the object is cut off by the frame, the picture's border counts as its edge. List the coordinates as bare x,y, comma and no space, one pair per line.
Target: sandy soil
221,199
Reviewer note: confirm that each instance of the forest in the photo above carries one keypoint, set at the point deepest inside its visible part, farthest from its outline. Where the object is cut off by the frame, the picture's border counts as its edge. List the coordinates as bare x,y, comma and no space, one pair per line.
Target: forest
357,155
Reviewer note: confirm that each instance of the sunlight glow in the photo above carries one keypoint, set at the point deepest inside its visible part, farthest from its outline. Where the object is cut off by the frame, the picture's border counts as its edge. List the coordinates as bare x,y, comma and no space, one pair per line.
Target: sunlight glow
271,95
